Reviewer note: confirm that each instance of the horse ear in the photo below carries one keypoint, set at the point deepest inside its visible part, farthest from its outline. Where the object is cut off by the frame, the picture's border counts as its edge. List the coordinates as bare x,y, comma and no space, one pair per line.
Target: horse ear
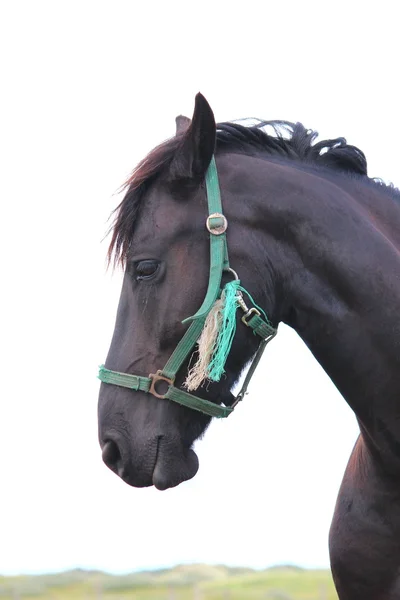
182,123
194,154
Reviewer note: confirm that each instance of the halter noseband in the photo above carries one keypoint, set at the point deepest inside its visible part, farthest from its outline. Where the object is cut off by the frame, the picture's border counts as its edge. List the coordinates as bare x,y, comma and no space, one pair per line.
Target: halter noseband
253,317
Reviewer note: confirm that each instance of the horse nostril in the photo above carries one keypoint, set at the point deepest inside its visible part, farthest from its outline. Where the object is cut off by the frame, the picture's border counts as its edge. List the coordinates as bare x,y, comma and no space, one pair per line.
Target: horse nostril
111,454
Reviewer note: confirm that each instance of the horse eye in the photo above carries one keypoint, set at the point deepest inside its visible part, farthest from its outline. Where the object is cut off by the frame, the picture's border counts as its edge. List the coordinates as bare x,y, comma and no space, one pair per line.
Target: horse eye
146,269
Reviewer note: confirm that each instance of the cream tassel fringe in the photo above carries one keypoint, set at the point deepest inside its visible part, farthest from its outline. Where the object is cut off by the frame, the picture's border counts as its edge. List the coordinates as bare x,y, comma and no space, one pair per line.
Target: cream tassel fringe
206,346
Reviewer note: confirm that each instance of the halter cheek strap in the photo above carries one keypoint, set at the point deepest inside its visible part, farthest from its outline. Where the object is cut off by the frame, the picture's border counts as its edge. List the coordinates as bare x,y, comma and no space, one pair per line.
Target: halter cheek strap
253,317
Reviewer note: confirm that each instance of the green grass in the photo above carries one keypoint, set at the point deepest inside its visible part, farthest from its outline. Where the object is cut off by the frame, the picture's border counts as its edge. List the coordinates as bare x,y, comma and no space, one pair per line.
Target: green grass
185,582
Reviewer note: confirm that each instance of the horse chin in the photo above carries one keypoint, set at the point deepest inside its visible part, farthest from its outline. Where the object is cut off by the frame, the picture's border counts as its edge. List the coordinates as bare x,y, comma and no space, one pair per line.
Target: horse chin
171,469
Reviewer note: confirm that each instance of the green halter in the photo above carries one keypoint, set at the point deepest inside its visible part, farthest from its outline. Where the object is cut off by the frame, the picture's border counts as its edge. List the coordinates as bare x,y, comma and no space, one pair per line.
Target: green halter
253,317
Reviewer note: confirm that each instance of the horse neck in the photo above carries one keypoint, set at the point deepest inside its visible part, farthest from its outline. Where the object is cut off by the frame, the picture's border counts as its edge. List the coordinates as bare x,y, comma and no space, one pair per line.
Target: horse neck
335,242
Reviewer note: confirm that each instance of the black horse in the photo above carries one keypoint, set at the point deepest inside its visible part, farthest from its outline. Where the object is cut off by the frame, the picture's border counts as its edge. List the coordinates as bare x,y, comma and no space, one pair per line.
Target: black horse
316,242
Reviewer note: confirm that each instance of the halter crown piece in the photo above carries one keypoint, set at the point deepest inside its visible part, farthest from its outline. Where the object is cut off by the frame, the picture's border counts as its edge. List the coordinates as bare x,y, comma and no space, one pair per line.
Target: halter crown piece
212,327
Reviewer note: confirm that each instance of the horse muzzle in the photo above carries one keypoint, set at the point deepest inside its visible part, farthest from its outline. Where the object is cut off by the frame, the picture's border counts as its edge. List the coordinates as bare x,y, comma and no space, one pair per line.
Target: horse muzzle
161,461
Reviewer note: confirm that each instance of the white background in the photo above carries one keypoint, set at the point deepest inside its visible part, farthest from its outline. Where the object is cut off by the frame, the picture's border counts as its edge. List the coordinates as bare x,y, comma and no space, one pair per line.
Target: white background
87,89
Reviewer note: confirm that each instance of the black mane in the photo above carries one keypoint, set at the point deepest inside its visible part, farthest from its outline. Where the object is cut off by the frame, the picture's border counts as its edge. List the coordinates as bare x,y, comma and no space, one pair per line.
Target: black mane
288,141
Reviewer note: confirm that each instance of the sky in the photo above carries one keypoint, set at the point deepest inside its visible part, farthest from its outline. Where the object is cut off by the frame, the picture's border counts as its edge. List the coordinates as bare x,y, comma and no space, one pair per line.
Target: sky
88,89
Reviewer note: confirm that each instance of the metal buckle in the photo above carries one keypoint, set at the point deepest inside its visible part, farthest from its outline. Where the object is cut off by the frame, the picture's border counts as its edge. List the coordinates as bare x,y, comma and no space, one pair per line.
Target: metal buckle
155,379
220,229
238,398
253,311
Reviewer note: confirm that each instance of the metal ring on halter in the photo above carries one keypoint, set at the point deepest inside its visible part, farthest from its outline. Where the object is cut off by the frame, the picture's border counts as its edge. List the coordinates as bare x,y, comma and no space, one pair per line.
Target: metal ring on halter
235,275
155,378
218,229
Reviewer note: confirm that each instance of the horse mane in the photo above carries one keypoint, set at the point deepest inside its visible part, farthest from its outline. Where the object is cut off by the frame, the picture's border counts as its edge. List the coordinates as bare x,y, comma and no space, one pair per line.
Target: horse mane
288,141
291,141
